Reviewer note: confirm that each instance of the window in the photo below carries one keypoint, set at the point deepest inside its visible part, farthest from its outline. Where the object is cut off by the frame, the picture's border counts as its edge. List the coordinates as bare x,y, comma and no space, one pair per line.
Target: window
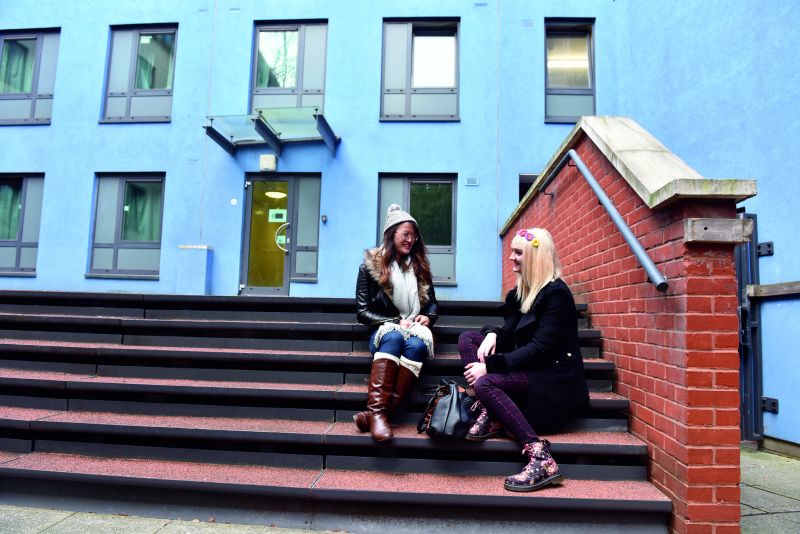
569,70
20,215
420,71
27,76
127,226
431,201
140,75
289,66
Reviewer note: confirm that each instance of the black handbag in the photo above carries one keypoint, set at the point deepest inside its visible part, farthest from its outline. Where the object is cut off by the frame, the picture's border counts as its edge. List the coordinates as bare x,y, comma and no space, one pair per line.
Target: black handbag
448,414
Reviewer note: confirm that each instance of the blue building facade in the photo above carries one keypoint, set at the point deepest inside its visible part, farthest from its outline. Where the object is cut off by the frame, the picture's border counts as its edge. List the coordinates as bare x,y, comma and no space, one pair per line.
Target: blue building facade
122,182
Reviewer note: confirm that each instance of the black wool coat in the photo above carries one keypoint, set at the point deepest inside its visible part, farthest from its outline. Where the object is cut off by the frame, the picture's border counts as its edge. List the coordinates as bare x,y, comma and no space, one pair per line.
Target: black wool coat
543,342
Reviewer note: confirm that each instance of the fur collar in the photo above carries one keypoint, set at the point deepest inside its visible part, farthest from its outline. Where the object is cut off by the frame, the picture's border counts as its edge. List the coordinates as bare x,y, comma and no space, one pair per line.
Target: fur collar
372,261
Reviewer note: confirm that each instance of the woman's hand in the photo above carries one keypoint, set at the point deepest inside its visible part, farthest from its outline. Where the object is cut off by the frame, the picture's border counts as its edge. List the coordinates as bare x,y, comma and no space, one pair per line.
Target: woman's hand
474,371
488,346
404,323
424,320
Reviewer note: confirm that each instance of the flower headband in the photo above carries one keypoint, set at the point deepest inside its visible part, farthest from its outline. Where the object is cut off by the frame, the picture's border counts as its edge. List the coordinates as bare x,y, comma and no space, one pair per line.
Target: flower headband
529,237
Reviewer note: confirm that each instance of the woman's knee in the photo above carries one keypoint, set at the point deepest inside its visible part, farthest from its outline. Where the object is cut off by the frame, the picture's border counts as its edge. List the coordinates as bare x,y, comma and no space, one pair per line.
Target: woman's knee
391,343
467,338
415,349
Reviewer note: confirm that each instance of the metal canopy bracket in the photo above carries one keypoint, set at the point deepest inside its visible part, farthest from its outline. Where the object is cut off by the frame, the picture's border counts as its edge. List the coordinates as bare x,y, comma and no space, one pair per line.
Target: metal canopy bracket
220,139
266,133
328,137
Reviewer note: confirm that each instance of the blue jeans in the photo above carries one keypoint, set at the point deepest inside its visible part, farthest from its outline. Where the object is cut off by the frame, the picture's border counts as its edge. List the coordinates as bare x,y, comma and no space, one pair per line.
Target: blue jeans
393,343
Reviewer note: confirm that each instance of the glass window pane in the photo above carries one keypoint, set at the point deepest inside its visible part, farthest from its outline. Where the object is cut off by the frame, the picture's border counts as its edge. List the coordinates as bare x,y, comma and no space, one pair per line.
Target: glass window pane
8,257
15,109
443,265
568,62
47,67
119,70
432,207
106,211
138,259
434,62
10,207
394,56
154,61
116,106
305,262
277,59
307,212
432,104
151,106
33,209
391,193
314,58
394,104
141,211
103,259
569,105
16,65
27,257
44,108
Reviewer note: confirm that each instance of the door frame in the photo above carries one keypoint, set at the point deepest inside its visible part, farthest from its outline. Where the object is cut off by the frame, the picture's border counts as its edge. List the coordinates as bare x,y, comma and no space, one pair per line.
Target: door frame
244,288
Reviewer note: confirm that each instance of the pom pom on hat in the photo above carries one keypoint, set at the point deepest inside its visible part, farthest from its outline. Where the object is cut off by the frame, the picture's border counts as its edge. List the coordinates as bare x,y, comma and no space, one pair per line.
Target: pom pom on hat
396,215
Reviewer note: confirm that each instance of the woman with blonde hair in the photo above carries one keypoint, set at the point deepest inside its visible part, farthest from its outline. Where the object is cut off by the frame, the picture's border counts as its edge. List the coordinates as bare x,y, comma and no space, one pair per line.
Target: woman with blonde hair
528,373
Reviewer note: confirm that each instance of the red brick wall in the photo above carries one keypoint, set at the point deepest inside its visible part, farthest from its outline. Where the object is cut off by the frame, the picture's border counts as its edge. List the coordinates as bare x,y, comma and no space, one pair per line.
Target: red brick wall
676,353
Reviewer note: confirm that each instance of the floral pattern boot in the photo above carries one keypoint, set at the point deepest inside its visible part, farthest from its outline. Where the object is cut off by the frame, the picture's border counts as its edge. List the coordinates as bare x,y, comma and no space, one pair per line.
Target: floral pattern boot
484,427
541,470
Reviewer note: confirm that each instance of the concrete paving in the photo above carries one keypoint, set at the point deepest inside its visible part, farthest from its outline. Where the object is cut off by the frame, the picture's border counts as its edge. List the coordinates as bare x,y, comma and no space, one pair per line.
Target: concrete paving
770,493
770,505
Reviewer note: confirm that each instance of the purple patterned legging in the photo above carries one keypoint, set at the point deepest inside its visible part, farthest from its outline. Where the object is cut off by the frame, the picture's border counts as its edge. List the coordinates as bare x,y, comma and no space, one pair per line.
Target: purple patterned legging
499,393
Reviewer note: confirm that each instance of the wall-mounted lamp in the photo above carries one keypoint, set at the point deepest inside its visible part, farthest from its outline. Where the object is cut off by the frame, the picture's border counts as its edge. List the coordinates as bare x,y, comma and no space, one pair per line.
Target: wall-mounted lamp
324,219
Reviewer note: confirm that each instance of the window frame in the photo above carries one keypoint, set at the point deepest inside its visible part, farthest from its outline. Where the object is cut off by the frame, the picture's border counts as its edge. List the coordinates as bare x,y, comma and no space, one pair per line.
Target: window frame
424,178
131,92
583,27
300,91
118,243
433,25
18,243
35,96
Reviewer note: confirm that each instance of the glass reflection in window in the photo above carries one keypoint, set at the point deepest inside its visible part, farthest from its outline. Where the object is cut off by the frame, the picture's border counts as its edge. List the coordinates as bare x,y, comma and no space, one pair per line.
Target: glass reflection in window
568,62
16,65
154,61
434,60
277,58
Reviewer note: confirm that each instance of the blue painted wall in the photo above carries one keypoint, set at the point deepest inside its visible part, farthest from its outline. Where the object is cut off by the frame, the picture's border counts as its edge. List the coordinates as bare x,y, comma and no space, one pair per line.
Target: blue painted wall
715,81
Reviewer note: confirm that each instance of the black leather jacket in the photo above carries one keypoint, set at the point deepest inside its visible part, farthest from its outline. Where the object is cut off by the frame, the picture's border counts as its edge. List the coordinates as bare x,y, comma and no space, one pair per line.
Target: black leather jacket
373,302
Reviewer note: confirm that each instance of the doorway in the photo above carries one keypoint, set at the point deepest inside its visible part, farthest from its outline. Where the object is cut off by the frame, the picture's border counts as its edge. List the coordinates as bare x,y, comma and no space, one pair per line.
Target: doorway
281,232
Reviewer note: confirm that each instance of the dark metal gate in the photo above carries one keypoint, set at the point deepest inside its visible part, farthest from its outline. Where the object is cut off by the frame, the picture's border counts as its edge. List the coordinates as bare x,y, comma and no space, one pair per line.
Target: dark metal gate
746,258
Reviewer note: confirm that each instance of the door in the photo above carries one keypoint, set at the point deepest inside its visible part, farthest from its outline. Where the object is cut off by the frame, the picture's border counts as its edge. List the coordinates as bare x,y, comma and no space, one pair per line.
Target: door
265,265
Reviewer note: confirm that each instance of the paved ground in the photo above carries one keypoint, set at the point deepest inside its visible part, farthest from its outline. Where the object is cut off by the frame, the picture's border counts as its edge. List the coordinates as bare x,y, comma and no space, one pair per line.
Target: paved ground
770,493
770,505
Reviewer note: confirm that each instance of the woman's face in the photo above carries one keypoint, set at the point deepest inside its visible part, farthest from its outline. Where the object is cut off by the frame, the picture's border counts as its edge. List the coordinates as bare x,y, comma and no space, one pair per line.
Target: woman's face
516,259
404,238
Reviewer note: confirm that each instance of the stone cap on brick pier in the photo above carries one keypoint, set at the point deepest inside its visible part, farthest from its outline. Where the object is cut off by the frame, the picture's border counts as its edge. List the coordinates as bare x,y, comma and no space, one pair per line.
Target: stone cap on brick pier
657,175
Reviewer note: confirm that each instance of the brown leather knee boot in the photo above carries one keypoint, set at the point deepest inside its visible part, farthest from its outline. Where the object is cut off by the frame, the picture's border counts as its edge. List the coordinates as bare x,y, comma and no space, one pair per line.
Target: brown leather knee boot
402,387
382,378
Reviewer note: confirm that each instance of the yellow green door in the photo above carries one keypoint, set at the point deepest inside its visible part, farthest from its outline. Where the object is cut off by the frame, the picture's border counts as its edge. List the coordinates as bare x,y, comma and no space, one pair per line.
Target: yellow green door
269,238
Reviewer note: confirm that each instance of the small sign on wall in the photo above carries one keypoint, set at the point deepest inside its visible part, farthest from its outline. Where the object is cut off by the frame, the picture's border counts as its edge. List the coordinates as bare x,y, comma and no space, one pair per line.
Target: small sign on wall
276,216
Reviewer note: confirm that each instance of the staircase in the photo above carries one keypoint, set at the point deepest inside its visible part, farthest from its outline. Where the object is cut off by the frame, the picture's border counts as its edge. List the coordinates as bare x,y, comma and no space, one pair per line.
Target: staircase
230,405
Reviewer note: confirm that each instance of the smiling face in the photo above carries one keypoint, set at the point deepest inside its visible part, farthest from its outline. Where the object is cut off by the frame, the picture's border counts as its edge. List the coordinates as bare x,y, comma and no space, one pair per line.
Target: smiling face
516,259
404,238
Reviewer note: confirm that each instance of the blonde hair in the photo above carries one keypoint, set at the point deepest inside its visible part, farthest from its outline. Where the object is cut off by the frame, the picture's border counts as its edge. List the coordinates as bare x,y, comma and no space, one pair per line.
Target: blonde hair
539,265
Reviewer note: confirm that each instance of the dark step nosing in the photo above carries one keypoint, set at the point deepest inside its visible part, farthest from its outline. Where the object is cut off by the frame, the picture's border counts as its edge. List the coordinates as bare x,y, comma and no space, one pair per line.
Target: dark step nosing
201,410
178,433
42,403
181,485
239,343
329,378
77,337
491,501
187,455
204,391
15,445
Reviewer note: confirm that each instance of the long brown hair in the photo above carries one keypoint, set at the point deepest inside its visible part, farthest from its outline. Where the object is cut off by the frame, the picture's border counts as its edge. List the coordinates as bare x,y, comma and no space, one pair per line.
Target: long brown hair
419,256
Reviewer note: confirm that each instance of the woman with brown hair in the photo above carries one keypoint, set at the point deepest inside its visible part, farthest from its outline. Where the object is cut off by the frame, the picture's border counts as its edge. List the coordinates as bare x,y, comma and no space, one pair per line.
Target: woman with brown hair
529,373
395,298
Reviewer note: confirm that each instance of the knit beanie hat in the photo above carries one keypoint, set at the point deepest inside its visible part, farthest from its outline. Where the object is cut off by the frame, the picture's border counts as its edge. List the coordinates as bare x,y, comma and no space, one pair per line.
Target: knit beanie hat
395,215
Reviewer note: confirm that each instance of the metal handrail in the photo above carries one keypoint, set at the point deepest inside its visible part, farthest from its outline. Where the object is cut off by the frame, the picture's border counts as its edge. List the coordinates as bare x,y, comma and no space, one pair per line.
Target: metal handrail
658,279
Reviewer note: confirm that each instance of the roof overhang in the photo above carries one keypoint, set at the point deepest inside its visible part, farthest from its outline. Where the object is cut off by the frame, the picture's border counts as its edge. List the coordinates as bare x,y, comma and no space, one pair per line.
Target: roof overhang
274,127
